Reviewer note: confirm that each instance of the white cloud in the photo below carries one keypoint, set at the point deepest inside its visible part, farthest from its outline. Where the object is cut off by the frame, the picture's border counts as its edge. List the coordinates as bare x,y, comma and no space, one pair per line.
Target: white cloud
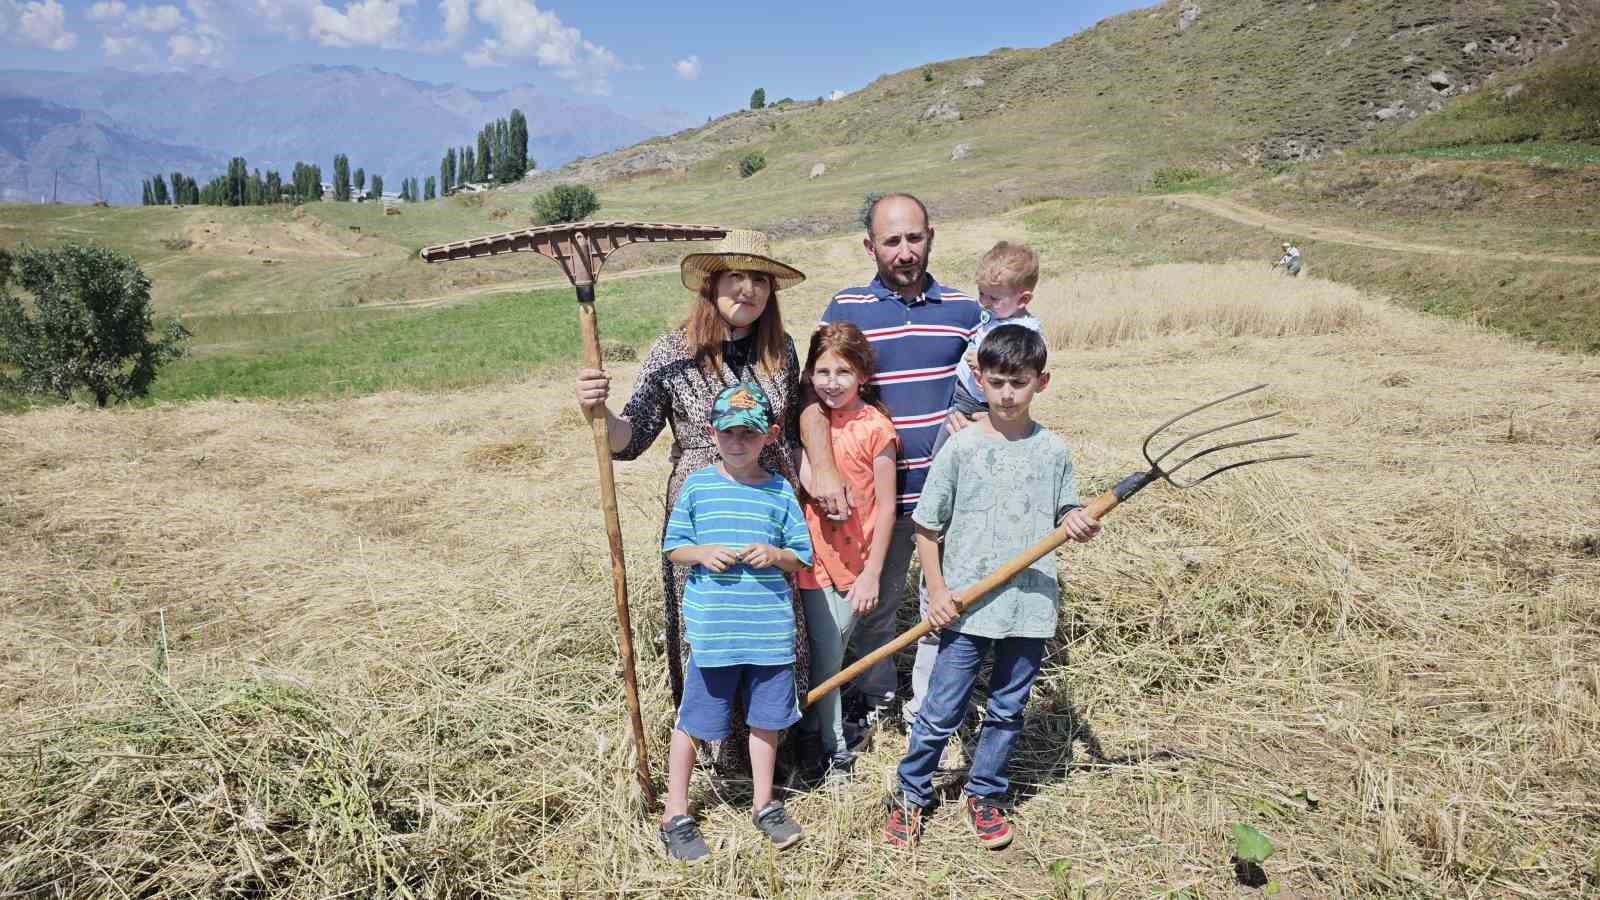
161,18
120,47
687,69
362,24
524,31
42,23
107,9
198,47
457,17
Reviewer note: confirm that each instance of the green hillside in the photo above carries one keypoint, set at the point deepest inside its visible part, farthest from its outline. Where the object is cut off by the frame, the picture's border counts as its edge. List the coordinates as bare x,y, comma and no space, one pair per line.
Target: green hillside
1556,100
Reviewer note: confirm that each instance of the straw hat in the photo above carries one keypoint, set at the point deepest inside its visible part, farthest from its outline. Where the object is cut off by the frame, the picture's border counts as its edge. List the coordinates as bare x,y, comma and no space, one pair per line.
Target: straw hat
743,251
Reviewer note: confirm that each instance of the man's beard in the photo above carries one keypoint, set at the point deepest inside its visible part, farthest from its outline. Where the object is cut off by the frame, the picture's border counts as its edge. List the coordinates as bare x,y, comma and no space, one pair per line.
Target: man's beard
896,279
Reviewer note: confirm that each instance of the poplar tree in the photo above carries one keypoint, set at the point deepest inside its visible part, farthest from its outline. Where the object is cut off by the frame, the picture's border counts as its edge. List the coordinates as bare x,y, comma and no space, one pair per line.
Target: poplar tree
428,188
341,177
518,144
467,165
485,156
447,172
361,181
377,186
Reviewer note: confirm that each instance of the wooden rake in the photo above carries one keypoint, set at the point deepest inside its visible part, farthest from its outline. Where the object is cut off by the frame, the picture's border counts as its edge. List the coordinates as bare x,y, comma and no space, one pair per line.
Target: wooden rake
581,249
1097,509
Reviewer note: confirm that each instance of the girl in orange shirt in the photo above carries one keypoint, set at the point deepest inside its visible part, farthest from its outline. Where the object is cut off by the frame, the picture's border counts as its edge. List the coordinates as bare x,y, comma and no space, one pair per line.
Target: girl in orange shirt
842,584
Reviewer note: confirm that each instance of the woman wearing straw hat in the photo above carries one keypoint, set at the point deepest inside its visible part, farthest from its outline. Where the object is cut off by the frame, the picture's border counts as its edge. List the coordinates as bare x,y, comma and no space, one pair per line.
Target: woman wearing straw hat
733,333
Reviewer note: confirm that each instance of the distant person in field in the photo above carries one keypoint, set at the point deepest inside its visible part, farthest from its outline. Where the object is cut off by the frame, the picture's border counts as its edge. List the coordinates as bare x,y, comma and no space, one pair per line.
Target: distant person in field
1290,261
919,329
733,333
996,489
737,527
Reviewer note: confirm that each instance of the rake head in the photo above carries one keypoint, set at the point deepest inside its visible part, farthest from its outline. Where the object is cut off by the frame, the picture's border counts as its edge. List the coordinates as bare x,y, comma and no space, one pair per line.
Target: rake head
1161,468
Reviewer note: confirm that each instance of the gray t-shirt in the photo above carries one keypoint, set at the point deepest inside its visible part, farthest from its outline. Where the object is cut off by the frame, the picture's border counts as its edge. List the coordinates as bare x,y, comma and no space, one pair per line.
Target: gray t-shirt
993,499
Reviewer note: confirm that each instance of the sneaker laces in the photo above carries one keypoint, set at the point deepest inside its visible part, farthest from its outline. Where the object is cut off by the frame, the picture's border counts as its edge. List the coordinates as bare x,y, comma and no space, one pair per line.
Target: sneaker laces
986,814
682,829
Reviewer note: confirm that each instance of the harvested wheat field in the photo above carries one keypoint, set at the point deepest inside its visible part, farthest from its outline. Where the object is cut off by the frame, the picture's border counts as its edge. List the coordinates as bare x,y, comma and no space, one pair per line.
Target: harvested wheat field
365,647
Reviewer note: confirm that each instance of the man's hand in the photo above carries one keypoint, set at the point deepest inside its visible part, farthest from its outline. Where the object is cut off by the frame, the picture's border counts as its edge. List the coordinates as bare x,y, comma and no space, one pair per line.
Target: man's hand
761,556
715,558
957,421
594,386
863,596
942,610
1080,526
830,492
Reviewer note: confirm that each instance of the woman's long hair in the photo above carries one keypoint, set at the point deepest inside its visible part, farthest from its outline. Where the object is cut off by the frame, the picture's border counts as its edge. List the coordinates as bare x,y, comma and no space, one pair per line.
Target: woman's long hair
845,340
705,330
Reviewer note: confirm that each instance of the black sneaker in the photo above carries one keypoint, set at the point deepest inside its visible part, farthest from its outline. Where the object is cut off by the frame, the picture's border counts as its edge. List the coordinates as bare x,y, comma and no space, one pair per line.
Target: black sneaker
841,771
774,822
858,733
681,837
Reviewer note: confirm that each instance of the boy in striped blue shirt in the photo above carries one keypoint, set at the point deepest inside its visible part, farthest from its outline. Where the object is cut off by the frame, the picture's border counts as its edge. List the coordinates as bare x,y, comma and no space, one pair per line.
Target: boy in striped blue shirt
741,529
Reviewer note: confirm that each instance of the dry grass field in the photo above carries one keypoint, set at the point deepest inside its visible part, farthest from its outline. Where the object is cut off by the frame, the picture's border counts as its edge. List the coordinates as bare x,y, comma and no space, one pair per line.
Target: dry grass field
364,647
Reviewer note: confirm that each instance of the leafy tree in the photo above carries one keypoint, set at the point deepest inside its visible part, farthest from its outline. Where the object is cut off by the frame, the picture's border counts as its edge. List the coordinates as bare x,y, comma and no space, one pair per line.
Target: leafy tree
751,163
377,186
518,144
468,166
565,203
149,194
361,180
341,177
429,188
90,328
758,98
447,171
274,187
485,155
158,187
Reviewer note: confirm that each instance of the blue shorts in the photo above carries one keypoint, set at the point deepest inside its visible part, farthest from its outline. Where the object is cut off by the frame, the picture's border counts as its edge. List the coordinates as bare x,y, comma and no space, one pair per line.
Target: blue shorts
767,692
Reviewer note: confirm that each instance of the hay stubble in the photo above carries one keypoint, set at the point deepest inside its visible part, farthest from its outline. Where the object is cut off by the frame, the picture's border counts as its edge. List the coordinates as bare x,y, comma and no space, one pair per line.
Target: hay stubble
391,668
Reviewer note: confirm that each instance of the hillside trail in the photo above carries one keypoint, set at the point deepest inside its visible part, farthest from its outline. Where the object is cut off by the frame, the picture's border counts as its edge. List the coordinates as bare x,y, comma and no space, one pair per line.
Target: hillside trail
1234,211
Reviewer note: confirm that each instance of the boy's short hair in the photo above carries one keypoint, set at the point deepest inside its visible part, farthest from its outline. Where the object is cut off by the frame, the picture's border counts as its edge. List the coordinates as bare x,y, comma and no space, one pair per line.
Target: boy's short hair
1008,265
1010,349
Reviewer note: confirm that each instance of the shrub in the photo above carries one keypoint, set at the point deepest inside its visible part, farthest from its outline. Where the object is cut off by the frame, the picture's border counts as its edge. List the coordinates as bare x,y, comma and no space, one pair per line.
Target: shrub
866,209
90,327
1163,180
751,163
758,98
565,203
927,75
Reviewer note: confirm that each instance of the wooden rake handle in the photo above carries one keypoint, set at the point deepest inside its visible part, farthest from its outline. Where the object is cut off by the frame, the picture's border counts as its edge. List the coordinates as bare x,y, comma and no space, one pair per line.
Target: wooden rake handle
1097,509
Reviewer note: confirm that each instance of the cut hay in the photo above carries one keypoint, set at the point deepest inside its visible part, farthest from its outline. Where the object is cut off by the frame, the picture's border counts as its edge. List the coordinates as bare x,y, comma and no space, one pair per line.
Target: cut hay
1099,309
365,646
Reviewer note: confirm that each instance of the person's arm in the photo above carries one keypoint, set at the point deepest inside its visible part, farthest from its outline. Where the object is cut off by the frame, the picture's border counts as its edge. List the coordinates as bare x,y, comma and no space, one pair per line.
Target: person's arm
1069,510
942,609
827,486
863,595
795,554
712,556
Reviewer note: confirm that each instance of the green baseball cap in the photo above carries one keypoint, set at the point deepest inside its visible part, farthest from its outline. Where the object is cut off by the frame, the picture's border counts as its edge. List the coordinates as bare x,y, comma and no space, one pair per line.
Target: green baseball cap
742,405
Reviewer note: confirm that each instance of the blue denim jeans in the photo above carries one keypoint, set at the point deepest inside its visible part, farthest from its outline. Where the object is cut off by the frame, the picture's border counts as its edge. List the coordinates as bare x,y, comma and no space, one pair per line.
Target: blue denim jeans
1016,665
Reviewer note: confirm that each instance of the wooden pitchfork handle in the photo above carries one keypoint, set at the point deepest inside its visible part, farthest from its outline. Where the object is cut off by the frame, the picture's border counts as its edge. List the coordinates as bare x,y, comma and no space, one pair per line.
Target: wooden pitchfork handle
1097,509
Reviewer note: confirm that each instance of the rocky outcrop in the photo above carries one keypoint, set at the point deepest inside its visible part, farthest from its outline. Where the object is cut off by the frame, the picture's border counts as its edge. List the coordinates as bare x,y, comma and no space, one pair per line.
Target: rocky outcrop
943,111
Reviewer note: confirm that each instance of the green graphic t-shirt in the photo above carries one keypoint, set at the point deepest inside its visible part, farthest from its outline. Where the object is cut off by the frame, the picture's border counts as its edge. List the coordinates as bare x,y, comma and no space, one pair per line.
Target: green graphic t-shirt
994,498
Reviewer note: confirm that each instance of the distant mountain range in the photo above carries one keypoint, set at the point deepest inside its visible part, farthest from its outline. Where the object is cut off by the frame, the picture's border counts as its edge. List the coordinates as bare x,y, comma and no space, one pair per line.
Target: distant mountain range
53,126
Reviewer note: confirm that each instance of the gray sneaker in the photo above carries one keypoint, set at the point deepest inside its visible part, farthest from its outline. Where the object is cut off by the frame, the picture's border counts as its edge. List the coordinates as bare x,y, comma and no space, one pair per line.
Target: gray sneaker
774,822
681,837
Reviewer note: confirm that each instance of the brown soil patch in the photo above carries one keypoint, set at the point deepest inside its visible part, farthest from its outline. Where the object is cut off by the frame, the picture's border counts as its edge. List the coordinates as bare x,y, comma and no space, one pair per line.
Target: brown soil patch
303,238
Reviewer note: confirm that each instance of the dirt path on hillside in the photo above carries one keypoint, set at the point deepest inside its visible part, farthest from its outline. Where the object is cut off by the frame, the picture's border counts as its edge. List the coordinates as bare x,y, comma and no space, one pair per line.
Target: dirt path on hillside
1245,215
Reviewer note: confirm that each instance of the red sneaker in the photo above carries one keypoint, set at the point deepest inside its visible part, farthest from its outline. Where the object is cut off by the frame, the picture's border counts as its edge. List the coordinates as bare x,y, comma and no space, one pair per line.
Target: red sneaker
904,826
988,822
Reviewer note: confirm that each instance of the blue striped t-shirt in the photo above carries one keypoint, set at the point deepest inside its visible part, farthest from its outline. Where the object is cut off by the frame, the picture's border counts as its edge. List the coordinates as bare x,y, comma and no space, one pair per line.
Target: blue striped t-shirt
743,616
917,343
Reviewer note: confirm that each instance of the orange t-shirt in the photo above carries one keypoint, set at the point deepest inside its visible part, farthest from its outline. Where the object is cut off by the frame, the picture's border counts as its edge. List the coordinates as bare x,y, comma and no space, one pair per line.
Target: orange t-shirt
840,549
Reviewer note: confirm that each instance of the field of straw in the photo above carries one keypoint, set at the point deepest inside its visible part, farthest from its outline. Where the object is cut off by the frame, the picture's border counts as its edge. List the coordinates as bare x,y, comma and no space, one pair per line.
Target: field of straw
365,647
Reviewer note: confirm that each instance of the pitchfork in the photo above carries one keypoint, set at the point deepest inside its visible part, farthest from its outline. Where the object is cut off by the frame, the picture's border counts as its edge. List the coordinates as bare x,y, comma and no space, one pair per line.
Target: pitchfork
1097,509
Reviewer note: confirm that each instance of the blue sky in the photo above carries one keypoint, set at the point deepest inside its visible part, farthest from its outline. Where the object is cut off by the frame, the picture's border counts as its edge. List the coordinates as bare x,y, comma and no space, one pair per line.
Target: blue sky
639,57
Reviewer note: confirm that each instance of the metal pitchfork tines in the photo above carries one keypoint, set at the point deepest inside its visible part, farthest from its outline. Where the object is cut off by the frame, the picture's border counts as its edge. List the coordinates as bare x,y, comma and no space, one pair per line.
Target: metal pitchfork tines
1097,509
1129,486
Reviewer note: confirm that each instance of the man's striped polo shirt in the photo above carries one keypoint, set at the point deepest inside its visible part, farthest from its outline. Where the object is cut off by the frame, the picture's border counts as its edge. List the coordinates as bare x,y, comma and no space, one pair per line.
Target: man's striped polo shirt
917,343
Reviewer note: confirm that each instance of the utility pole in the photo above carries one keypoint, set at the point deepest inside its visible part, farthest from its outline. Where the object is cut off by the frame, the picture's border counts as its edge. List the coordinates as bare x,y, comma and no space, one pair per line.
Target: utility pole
54,188
99,186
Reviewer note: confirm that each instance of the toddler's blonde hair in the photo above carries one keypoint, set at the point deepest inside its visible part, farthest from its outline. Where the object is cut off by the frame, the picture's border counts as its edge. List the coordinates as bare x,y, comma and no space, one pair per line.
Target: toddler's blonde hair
1008,265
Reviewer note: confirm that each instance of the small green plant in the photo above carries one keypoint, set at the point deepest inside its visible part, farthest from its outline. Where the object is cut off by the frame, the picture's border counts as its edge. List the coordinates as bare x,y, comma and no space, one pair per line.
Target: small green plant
927,75
1166,180
751,163
865,214
565,203
758,98
1250,849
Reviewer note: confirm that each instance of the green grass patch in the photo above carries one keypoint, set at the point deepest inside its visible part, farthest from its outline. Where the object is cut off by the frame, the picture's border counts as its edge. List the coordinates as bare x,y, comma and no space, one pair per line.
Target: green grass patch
496,338
1186,181
1532,152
